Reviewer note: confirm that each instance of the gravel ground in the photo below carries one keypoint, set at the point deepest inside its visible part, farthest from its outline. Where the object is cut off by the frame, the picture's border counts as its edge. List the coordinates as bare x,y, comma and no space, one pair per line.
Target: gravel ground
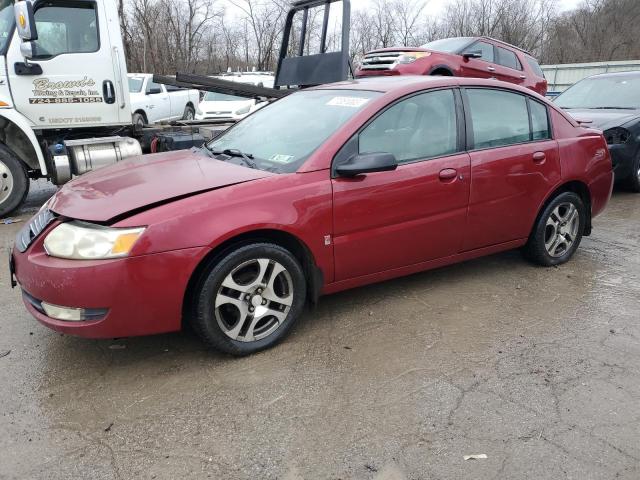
538,369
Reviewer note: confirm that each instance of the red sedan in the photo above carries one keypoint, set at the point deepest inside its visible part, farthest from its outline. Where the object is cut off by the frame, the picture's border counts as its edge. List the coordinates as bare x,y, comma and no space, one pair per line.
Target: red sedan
327,189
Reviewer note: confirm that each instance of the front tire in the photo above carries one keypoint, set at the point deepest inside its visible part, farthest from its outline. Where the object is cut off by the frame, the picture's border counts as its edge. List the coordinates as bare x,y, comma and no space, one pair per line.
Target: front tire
189,113
633,182
139,120
14,181
558,231
249,299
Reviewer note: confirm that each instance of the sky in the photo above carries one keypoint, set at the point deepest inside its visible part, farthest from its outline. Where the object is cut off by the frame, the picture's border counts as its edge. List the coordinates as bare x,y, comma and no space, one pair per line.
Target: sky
435,6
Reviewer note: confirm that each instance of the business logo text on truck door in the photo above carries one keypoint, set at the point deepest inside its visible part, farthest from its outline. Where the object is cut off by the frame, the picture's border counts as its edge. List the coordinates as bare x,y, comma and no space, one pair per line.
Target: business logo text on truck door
46,91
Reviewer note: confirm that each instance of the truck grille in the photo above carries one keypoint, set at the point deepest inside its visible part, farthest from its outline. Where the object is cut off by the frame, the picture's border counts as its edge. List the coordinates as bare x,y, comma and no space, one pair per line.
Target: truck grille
380,60
33,229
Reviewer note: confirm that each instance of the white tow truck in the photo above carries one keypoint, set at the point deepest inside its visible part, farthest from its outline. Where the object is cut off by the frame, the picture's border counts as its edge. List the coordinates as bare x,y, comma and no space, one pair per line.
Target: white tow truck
64,96
65,107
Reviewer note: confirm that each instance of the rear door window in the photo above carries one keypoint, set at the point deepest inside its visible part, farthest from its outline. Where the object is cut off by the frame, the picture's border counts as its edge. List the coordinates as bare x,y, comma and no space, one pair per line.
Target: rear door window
421,127
535,66
507,58
499,118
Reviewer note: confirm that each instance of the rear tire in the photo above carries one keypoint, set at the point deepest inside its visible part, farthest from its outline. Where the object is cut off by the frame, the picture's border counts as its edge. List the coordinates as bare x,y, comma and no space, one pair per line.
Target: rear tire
249,299
558,231
14,181
633,182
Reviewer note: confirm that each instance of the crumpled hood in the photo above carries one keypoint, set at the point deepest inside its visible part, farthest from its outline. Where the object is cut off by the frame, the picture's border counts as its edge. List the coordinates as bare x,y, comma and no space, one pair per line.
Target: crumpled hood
603,119
140,182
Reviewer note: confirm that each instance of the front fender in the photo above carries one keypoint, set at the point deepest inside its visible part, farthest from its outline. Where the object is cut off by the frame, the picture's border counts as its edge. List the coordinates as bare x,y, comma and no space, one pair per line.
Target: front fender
296,204
21,122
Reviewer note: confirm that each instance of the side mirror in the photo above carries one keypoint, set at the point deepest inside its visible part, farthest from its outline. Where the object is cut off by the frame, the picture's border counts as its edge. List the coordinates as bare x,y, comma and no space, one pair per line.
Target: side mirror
25,21
367,163
474,54
28,49
154,91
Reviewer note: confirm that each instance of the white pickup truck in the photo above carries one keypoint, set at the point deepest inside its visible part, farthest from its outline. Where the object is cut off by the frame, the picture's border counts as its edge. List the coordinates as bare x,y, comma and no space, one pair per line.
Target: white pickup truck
153,103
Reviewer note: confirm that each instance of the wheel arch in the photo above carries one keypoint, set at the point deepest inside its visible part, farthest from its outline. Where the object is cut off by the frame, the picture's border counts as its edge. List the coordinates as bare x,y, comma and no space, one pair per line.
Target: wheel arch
18,136
284,239
578,187
143,113
441,70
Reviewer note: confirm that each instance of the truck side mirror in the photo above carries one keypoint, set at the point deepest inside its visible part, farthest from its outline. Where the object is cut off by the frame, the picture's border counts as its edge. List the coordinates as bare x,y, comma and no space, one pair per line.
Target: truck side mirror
28,50
25,21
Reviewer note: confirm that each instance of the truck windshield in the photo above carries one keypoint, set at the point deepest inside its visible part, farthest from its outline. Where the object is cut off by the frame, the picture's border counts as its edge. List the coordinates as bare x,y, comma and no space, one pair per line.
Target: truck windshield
611,92
281,137
6,22
449,45
135,84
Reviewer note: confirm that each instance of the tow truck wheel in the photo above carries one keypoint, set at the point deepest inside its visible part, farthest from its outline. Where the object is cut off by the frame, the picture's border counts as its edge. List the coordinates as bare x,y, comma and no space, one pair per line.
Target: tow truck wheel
14,182
189,113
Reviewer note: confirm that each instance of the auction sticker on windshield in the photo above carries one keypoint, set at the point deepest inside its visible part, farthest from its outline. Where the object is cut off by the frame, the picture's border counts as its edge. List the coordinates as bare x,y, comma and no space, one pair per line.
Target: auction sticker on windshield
353,102
279,158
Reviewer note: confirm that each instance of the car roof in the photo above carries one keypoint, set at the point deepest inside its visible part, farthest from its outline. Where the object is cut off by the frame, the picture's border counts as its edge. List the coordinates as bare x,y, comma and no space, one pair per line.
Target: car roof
404,84
632,73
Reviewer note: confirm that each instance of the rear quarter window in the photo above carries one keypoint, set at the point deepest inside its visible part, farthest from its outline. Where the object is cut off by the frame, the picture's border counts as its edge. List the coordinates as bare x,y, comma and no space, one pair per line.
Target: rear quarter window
539,121
535,66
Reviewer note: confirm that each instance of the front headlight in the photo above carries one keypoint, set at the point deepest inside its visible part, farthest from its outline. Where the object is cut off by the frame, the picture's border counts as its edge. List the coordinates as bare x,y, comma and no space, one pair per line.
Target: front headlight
85,241
408,58
617,136
243,110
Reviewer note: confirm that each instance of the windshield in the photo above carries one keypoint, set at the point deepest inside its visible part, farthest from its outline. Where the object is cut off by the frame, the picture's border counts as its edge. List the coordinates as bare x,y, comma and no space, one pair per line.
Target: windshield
222,97
6,22
449,45
616,91
135,84
281,136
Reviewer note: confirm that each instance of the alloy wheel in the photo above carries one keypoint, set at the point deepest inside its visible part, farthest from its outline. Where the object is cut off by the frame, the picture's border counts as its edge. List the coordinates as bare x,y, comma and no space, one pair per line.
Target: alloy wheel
561,229
6,182
254,300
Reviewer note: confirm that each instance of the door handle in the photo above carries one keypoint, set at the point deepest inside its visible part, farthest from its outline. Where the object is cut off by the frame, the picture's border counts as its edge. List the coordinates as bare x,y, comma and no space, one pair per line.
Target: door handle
448,174
491,69
108,92
539,157
523,77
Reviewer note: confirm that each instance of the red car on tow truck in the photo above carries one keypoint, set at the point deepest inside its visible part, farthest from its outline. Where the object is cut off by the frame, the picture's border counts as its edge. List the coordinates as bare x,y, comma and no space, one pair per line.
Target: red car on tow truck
479,57
327,189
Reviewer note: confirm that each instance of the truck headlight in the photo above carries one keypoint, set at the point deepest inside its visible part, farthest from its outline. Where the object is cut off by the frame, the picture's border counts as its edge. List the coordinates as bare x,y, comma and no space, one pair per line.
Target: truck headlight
84,241
243,110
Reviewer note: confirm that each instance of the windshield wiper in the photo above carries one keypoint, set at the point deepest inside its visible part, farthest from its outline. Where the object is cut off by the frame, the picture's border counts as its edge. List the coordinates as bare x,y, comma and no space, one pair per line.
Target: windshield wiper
247,158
